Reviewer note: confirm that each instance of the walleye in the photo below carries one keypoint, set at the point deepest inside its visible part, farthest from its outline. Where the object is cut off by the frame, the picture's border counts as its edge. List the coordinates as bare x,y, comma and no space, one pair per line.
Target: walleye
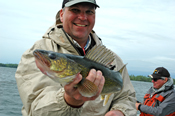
62,68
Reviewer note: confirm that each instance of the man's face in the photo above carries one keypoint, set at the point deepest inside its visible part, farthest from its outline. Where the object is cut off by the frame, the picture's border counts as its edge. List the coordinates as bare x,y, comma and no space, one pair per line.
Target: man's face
78,20
159,83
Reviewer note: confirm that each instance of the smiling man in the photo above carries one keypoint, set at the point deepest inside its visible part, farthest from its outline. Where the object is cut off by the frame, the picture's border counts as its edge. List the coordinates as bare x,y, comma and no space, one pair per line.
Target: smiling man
71,34
159,100
78,21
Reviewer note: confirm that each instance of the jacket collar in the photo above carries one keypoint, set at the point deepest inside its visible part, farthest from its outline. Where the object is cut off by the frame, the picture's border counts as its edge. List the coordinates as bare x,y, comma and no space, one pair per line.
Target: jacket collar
64,40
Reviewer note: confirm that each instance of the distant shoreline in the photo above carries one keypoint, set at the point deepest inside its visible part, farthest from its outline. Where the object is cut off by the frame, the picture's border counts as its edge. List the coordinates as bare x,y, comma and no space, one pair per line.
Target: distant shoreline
9,65
132,77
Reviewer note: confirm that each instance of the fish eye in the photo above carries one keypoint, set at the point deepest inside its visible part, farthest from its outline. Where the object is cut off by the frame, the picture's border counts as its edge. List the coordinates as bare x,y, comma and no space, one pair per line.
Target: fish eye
52,56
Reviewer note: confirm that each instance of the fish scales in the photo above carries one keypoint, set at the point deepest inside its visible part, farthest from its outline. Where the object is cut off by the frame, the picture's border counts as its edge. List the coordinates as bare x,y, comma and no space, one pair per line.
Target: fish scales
111,80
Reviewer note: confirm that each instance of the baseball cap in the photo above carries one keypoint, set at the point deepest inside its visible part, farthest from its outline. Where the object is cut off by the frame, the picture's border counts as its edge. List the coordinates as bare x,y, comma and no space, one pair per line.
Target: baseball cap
68,3
160,72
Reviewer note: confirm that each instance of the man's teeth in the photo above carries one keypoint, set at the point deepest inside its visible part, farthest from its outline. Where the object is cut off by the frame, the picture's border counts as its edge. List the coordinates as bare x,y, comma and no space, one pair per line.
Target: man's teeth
80,25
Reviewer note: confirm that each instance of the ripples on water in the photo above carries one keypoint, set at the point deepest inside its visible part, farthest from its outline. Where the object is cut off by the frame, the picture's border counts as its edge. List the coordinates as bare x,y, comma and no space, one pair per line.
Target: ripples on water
10,102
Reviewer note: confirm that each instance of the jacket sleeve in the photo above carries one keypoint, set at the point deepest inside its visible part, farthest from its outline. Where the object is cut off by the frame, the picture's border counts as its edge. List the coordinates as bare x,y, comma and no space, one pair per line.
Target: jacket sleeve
40,95
165,108
126,99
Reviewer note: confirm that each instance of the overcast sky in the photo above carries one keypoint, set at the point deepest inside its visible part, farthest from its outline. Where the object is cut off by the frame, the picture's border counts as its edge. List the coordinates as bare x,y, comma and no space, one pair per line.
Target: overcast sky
141,32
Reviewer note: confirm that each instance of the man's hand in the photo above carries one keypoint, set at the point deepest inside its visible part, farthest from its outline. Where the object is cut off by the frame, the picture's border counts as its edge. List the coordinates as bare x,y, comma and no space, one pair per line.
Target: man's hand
114,113
72,95
137,104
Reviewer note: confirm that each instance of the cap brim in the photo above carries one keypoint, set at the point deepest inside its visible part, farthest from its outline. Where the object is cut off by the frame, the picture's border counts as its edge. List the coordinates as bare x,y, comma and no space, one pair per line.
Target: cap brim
156,76
73,2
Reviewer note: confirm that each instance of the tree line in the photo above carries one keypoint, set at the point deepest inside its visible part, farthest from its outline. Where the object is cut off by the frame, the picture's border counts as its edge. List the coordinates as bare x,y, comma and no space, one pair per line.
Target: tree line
9,65
132,77
143,78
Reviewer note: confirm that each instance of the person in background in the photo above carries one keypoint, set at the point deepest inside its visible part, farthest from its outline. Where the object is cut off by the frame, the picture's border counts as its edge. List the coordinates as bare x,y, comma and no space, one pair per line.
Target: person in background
71,34
160,98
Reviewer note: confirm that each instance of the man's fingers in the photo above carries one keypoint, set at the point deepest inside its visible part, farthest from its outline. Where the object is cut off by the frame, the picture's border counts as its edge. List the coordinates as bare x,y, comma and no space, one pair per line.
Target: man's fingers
91,76
94,76
101,84
100,88
98,78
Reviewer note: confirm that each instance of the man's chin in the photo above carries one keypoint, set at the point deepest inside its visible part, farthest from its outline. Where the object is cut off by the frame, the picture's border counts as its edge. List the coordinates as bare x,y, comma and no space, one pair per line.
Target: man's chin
155,87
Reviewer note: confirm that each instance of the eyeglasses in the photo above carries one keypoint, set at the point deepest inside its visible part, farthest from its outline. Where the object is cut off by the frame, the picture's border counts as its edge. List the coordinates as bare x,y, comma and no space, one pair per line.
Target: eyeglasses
155,79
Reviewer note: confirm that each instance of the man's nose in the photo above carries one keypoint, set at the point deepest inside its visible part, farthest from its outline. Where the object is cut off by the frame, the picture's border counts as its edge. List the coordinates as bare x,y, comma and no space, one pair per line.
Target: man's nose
82,16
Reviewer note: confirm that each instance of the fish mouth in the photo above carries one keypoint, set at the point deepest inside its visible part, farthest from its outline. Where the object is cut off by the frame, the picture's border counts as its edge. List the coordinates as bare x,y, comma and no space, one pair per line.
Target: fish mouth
43,63
42,58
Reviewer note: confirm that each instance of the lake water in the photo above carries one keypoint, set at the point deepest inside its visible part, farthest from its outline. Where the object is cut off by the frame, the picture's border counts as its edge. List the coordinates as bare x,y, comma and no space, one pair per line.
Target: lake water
10,102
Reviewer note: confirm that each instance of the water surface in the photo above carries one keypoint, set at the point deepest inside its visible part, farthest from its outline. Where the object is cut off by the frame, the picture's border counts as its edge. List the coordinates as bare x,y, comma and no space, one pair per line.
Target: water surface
10,102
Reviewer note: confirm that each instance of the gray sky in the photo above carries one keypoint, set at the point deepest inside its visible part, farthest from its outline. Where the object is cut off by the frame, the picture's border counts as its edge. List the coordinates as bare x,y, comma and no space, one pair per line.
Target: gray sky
141,32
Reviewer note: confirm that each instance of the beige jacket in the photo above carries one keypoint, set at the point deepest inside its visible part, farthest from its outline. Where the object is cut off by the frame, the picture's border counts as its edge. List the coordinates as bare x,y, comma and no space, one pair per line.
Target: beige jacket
41,96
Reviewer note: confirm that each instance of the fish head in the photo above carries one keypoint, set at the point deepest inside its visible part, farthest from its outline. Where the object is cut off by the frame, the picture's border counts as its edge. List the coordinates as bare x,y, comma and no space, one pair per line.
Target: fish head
56,65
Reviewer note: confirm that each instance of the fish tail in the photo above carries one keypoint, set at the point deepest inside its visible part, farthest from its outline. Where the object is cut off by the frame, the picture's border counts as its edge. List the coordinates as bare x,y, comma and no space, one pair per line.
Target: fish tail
106,99
87,88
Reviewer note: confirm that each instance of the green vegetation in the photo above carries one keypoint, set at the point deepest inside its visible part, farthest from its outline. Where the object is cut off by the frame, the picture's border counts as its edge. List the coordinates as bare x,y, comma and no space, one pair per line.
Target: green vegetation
9,65
142,78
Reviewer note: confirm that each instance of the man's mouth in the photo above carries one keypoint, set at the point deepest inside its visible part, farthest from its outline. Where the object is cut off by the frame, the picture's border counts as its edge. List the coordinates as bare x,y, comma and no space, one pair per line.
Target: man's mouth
80,25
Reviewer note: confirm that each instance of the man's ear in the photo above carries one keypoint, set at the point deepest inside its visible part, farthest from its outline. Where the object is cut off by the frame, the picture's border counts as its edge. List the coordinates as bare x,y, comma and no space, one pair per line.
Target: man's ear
166,79
61,15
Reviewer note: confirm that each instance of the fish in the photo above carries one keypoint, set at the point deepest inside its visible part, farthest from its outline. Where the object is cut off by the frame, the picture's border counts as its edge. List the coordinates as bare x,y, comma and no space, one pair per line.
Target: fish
62,68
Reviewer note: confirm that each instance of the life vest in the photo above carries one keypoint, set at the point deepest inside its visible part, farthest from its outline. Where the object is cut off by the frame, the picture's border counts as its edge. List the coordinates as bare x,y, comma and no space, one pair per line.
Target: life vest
153,101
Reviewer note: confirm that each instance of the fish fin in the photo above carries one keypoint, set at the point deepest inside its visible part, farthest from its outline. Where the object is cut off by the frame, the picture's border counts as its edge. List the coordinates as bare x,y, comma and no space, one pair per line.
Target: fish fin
101,54
106,99
102,97
121,70
87,88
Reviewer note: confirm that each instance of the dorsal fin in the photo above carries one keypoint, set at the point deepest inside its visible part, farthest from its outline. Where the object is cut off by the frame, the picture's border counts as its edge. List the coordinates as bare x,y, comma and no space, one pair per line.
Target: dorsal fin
101,54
